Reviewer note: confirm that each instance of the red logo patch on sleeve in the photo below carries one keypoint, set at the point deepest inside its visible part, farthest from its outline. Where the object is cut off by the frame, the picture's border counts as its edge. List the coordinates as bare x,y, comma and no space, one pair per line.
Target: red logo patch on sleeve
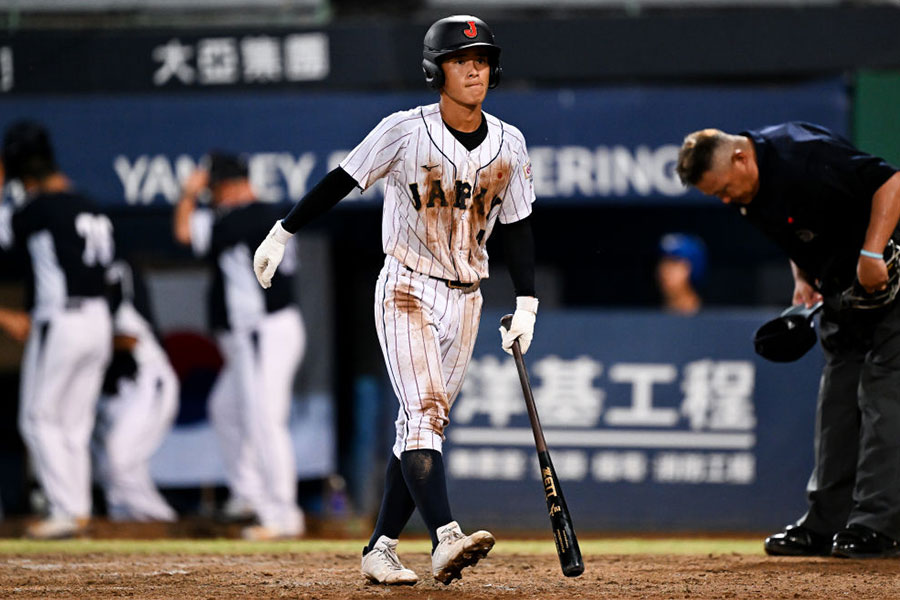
472,31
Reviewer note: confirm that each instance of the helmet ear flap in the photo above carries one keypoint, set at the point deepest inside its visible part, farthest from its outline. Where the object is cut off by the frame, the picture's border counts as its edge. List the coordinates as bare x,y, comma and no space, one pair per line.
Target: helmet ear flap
434,75
494,79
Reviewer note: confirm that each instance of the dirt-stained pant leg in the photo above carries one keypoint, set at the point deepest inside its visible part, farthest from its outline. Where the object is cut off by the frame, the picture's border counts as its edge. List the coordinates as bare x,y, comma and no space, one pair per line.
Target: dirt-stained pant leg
460,327
427,333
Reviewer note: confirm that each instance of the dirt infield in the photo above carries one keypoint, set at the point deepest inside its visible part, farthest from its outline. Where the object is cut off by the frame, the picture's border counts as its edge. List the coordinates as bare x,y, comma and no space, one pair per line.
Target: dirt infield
198,559
334,576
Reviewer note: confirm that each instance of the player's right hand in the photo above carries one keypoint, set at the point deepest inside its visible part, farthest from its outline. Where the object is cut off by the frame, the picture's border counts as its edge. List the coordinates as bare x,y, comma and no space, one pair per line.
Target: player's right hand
522,326
269,254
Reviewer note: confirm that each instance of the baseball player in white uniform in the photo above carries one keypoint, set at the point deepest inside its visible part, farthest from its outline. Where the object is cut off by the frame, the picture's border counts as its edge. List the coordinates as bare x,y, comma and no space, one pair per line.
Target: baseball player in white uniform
70,244
137,408
451,171
262,337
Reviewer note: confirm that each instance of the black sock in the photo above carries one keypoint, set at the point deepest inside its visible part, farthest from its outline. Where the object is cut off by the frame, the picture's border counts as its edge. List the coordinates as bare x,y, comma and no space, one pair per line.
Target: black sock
423,471
397,505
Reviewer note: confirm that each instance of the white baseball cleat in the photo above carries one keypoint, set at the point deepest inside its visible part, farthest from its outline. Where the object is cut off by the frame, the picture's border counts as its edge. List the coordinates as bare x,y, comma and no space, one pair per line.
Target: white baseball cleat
291,527
261,533
382,565
456,551
237,509
56,528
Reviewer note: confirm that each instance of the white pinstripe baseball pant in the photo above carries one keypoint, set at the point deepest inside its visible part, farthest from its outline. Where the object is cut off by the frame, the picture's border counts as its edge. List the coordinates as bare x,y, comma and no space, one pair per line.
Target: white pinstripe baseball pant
427,332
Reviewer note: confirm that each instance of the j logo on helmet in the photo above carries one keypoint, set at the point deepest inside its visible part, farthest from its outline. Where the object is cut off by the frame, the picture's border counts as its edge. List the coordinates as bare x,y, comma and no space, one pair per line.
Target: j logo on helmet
472,31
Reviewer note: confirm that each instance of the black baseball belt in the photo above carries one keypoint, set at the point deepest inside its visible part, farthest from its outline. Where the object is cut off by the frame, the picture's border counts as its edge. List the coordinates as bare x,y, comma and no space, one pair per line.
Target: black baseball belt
452,284
74,302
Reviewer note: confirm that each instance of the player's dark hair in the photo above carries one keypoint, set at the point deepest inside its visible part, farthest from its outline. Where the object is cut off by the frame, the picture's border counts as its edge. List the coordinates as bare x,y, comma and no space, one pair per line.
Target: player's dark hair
225,165
696,155
27,151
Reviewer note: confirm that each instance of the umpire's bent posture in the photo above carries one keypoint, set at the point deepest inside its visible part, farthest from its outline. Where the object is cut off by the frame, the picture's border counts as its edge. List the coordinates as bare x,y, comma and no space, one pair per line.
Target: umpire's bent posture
834,210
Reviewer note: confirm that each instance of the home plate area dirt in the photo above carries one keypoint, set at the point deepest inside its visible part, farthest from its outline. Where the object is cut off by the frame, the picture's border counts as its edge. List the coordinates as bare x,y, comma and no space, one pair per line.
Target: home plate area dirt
336,576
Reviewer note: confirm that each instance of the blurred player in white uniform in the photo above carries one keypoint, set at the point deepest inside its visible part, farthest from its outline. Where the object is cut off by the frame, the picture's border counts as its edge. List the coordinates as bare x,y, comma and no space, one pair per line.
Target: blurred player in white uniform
262,338
70,244
137,408
451,172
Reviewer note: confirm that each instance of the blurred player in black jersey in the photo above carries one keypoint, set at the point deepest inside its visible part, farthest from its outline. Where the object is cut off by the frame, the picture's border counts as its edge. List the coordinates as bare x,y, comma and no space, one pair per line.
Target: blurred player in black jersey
261,336
70,244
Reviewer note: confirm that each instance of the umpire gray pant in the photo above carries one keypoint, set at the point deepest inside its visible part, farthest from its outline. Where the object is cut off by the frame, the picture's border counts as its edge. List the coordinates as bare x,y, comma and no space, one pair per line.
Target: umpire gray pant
856,478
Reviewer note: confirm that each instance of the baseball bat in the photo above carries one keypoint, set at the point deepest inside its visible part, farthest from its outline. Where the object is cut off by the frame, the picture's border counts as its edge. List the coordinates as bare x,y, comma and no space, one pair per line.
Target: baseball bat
560,519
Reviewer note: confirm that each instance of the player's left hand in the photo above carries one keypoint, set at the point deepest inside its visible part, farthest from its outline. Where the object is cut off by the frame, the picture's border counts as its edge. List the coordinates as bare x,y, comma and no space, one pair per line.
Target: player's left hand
872,273
269,254
522,326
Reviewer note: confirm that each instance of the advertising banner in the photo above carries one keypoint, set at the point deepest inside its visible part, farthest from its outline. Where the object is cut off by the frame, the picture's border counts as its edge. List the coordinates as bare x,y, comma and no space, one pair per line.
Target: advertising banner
587,145
286,46
653,422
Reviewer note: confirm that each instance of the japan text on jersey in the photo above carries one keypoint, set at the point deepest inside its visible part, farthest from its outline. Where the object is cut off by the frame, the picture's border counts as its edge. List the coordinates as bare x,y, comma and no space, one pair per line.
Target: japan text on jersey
441,201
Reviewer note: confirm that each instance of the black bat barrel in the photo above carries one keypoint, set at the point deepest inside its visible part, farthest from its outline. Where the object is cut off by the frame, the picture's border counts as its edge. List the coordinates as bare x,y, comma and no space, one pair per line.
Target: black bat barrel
560,520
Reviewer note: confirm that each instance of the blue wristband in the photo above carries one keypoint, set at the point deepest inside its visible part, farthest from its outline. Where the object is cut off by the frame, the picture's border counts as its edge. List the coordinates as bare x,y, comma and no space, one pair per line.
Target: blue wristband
872,254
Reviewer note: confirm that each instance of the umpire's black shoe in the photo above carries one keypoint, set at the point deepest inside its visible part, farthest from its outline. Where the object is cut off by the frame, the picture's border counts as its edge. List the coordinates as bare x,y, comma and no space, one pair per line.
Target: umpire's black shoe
859,541
797,540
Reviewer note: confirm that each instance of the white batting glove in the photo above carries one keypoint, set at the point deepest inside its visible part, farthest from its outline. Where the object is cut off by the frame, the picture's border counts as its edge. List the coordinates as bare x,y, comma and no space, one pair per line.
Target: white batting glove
269,254
522,326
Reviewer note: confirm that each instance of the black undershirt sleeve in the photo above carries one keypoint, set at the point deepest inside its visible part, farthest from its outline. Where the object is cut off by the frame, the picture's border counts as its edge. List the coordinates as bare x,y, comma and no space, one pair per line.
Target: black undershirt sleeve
319,200
518,245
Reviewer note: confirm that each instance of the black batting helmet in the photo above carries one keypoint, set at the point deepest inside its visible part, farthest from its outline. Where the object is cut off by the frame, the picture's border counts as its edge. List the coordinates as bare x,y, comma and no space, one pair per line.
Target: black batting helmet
27,151
458,33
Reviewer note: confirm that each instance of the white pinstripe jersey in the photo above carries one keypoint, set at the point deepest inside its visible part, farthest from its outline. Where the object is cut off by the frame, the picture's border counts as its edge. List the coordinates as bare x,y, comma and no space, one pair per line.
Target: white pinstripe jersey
440,200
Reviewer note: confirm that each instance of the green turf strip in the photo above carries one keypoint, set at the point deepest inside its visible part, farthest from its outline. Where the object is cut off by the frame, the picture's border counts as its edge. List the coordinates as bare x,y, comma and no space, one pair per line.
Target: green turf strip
229,546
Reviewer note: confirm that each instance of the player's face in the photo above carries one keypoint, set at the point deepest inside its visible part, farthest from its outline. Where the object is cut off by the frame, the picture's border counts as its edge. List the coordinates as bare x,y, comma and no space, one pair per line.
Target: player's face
673,274
466,76
734,179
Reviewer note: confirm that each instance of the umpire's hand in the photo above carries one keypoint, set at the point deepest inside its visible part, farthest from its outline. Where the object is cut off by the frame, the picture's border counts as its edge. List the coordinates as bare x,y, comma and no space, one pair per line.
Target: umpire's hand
872,273
269,254
805,293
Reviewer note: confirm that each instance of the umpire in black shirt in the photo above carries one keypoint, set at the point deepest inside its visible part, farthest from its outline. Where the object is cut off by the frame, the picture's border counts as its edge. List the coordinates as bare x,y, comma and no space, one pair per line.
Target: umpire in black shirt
834,210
